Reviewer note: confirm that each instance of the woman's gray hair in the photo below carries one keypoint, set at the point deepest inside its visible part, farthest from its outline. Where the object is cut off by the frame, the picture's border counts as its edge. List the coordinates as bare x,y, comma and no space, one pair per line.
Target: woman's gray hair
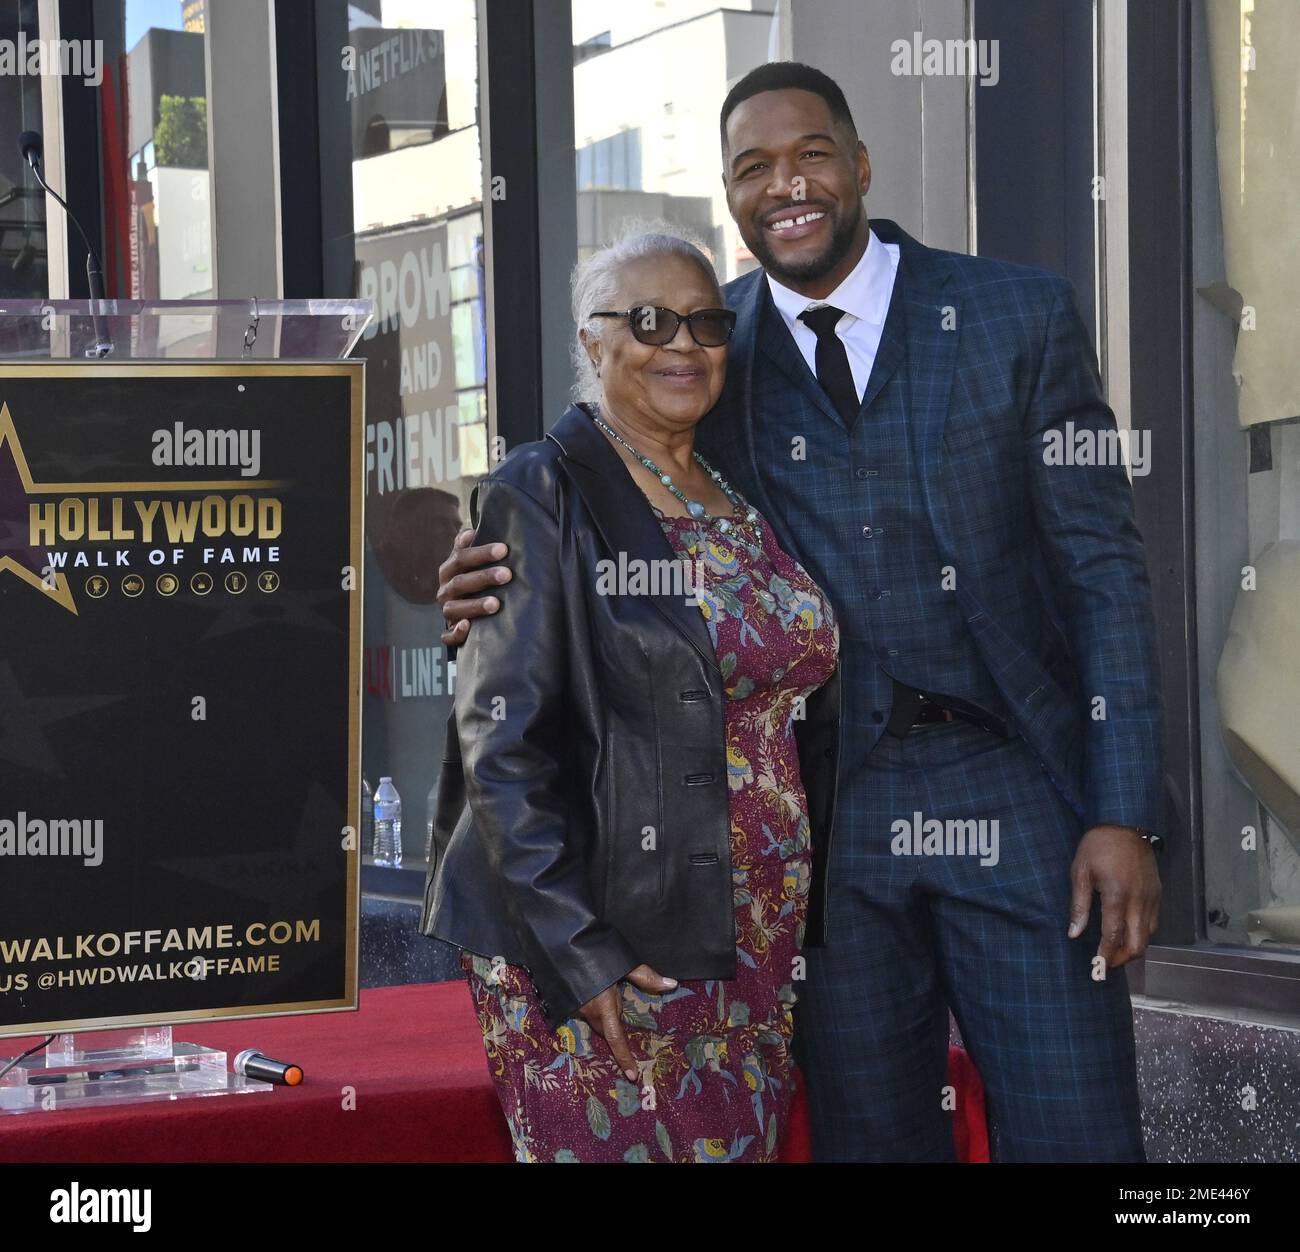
595,284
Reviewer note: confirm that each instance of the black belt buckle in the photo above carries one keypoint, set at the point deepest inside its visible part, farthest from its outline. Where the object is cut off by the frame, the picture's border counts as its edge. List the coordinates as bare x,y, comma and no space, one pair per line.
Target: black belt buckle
922,710
932,713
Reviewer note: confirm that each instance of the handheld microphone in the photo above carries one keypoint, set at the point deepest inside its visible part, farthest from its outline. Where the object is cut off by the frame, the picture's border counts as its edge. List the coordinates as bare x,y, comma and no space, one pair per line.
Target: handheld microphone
32,148
253,1064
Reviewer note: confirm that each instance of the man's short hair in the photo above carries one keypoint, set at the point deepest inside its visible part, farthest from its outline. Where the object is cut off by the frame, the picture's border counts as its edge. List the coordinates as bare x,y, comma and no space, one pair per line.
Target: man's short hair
781,76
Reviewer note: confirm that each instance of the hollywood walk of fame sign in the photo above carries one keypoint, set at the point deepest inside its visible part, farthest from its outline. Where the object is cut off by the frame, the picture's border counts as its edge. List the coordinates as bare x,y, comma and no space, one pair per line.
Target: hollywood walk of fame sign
180,619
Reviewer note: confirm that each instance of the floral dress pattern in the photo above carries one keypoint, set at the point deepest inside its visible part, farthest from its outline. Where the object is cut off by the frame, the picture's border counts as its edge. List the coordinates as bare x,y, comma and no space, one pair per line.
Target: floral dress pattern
713,1056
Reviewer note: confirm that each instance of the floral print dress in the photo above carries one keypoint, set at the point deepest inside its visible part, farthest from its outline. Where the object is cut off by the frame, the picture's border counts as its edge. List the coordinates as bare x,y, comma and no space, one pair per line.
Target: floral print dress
713,1056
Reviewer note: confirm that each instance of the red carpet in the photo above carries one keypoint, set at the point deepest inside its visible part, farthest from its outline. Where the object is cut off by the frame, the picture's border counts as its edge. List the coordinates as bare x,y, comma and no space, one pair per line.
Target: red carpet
402,1079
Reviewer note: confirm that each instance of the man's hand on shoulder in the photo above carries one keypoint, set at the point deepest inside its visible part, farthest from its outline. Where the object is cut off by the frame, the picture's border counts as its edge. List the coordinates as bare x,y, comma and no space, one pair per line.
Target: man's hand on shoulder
462,582
1119,865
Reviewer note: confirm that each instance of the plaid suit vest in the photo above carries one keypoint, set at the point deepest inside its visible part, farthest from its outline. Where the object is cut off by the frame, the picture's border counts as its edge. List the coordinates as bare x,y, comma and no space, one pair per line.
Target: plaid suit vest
853,499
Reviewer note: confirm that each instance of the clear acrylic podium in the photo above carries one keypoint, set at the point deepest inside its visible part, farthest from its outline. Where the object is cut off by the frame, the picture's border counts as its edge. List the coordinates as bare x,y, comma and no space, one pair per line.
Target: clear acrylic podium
196,330
93,1067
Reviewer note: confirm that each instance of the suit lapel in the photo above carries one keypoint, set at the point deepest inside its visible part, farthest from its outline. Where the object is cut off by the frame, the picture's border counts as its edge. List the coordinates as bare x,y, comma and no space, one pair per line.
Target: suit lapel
931,327
776,342
892,349
622,516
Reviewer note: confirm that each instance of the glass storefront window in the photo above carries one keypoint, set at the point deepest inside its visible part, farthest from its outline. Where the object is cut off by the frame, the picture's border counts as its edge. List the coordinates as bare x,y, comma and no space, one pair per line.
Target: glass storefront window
1246,272
405,84
24,252
154,120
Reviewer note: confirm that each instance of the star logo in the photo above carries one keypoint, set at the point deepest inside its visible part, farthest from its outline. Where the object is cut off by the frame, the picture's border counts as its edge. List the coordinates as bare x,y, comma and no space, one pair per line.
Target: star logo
17,555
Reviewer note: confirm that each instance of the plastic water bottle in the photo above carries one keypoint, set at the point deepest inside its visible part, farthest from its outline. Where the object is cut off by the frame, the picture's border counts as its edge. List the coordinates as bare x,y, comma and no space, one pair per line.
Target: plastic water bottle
388,824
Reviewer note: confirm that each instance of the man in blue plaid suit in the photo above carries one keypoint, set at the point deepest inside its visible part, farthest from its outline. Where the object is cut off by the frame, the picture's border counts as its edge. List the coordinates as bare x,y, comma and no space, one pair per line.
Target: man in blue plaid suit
908,420
899,414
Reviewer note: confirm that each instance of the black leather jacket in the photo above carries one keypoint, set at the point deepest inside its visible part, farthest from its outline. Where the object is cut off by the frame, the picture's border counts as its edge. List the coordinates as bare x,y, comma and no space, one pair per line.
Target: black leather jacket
582,825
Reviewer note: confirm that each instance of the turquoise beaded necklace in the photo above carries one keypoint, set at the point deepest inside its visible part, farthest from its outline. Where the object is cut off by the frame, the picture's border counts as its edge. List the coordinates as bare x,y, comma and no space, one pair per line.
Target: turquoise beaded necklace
695,508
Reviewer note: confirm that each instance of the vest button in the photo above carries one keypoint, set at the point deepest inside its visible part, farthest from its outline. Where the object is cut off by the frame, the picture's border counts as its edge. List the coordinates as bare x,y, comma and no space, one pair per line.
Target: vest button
862,472
867,532
877,716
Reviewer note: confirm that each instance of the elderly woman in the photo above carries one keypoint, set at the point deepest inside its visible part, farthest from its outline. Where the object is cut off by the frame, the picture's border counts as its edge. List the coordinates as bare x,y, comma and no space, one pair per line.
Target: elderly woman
624,841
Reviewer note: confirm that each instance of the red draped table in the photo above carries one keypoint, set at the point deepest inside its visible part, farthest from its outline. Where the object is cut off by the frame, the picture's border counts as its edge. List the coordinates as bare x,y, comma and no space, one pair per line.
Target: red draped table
402,1079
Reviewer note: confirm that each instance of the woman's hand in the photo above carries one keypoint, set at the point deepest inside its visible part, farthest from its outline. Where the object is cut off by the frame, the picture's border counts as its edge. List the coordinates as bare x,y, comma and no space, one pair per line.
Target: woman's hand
603,1013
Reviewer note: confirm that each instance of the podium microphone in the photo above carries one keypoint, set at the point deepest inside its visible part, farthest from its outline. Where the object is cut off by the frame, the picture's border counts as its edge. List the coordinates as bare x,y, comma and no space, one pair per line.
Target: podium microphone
29,143
252,1064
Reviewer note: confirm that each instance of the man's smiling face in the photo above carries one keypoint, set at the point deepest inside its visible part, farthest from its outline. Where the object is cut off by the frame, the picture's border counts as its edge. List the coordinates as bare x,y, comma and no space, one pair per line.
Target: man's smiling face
795,179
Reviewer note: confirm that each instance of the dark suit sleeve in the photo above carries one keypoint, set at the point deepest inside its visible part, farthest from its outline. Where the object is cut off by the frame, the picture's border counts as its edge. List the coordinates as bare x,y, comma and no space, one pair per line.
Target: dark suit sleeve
1084,514
510,710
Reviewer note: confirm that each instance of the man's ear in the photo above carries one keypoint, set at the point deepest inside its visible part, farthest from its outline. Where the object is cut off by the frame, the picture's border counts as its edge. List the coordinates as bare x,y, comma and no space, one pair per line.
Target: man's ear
864,167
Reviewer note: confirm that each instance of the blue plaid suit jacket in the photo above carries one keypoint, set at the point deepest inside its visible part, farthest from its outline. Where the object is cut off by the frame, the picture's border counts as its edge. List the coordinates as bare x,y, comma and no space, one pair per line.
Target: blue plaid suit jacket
1051,576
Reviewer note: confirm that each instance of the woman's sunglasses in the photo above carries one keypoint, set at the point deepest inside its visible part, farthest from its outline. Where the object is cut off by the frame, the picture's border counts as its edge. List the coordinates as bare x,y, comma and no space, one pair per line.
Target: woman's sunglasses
710,328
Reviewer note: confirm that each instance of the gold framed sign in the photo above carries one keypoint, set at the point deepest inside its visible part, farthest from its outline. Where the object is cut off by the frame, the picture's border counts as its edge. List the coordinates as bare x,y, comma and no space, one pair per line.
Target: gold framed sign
180,660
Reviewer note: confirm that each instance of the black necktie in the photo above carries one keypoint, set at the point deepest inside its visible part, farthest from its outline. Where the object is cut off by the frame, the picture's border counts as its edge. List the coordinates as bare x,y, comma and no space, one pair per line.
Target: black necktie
833,370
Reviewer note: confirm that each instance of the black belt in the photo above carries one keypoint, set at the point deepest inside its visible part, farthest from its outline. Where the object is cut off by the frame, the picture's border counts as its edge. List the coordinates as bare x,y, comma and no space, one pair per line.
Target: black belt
914,708
931,712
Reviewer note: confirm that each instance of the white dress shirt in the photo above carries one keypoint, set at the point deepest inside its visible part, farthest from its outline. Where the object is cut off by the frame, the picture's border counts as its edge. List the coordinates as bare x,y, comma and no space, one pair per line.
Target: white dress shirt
863,295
